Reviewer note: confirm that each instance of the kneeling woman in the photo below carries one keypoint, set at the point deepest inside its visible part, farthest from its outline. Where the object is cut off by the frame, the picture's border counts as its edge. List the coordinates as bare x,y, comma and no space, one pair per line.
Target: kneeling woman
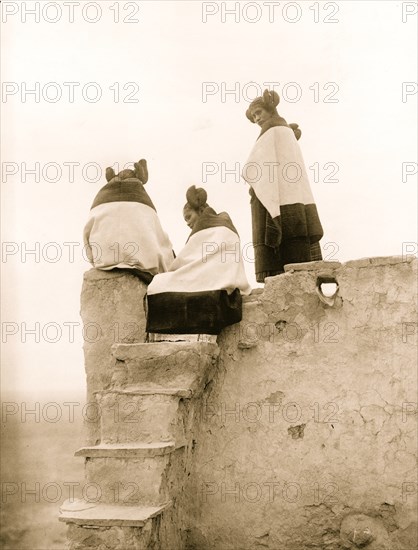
201,291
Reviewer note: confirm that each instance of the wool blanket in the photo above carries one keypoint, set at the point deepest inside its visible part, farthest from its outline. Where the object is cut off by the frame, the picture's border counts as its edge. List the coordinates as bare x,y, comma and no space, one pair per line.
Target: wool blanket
201,291
123,230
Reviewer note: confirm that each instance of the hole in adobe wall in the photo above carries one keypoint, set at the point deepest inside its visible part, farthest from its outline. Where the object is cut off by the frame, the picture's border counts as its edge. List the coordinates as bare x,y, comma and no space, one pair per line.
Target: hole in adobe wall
327,289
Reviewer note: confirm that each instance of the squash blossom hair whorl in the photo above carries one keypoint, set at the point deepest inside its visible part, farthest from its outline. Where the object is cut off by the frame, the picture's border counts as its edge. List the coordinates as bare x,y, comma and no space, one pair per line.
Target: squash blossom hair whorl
196,198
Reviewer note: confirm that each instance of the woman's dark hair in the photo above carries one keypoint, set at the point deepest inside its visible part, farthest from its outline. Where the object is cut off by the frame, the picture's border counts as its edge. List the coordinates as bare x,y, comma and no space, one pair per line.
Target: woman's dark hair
268,101
196,198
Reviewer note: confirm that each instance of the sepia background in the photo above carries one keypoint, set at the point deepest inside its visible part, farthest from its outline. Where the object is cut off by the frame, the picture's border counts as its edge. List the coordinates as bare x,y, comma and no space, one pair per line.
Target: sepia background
170,81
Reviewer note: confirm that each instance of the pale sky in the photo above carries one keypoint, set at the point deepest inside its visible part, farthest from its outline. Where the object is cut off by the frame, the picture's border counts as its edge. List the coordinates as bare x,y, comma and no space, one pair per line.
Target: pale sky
350,84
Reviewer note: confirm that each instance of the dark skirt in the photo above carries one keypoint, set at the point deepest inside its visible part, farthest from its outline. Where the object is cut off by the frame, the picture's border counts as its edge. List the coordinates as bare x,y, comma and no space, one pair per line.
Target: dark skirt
270,262
193,312
274,247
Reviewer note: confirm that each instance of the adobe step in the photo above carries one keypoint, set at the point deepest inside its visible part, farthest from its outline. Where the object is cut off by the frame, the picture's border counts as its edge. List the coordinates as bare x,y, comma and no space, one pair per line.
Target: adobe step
142,415
128,450
133,481
174,364
151,389
82,513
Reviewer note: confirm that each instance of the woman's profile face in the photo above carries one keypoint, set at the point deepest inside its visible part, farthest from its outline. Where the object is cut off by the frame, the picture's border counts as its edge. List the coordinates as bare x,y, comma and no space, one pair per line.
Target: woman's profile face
190,217
260,115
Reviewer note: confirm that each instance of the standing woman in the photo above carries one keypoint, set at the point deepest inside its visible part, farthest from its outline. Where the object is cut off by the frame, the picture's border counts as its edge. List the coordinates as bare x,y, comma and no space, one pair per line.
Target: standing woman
201,291
285,221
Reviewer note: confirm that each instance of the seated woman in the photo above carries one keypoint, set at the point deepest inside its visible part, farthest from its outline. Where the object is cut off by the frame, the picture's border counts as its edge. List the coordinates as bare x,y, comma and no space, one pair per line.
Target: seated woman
123,230
201,292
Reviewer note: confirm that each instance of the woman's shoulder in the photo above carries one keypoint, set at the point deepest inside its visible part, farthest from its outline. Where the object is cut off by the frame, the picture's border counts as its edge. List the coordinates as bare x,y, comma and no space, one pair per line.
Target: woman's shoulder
209,212
209,219
273,122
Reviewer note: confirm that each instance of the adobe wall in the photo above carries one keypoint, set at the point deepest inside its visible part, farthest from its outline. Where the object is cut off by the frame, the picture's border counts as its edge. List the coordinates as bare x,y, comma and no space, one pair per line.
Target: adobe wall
112,311
308,433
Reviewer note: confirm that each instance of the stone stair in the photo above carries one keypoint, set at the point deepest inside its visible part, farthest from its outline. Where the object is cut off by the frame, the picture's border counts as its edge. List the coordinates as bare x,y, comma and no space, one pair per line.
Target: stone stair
136,471
96,515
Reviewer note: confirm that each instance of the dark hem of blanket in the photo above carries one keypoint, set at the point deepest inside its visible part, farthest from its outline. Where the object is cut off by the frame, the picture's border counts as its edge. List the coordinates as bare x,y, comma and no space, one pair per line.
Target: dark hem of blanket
270,262
294,220
206,312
